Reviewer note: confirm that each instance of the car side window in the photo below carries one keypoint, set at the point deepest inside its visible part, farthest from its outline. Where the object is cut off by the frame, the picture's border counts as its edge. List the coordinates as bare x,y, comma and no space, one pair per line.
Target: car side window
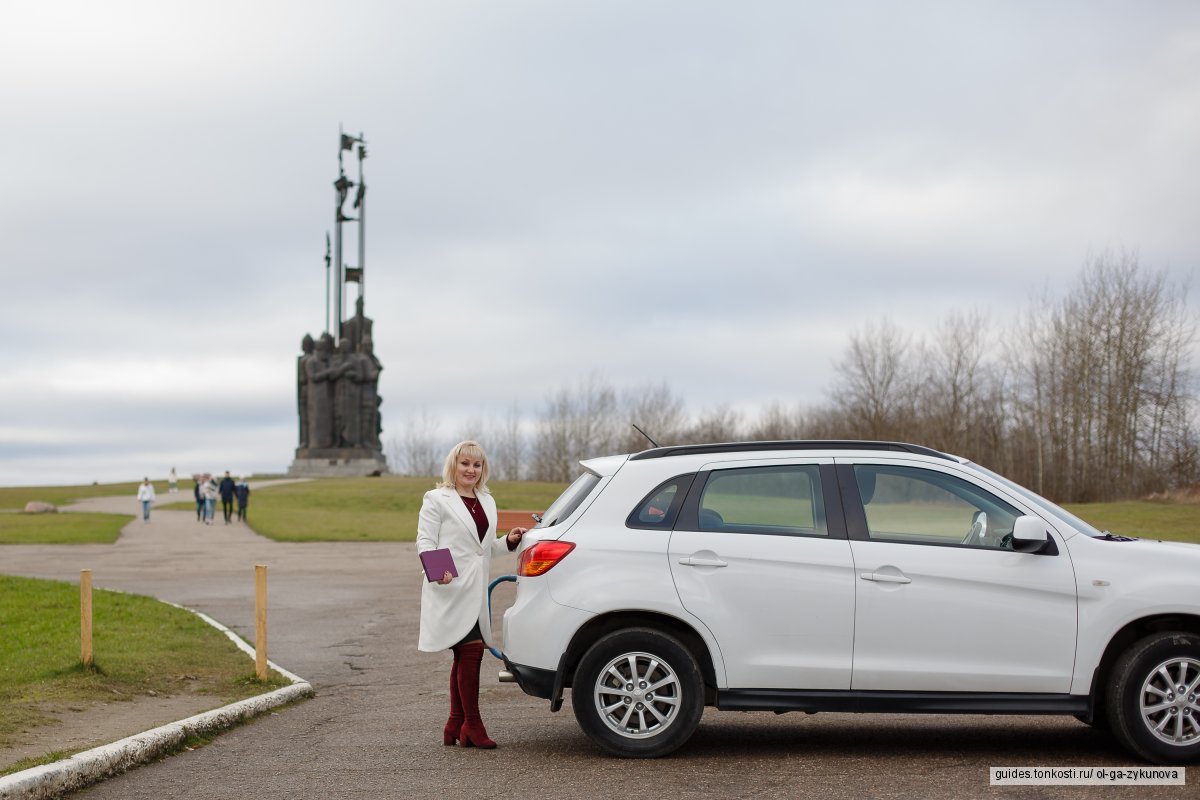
779,500
658,510
908,504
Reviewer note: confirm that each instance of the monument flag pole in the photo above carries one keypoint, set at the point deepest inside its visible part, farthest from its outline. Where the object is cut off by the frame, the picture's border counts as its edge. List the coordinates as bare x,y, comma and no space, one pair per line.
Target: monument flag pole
327,278
343,187
340,186
360,203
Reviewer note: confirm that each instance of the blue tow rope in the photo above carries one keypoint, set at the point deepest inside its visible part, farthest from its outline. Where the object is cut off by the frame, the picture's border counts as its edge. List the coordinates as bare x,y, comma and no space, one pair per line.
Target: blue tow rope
491,586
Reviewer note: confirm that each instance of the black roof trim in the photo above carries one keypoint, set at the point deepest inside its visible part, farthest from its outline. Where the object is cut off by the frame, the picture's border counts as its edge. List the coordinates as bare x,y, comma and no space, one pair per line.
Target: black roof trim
802,444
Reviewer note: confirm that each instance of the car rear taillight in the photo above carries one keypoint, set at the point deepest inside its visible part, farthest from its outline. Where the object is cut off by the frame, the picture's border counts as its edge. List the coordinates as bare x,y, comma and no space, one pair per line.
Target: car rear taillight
542,556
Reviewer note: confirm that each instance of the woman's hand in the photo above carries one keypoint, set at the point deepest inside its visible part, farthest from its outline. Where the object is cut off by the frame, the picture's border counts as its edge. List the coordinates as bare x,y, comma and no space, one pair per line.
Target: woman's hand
446,578
514,537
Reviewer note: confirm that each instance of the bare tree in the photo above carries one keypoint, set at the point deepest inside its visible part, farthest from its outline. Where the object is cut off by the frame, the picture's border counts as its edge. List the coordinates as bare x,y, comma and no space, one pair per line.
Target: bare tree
951,384
656,410
508,446
874,387
1105,392
575,424
720,423
394,450
419,451
777,422
473,429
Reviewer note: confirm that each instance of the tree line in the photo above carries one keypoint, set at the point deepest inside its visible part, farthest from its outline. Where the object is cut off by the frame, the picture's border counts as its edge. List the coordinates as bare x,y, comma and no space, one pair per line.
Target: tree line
1084,398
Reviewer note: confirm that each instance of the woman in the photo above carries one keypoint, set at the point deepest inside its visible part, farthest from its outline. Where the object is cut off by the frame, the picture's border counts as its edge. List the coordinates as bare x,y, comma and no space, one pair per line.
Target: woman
460,515
209,491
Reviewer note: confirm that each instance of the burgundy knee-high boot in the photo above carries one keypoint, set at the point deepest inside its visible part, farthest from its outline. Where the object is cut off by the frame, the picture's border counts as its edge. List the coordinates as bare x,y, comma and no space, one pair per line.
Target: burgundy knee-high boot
472,733
454,723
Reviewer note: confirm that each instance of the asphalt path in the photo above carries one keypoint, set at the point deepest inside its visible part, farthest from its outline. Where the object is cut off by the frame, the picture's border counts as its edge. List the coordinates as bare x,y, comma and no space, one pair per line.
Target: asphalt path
344,616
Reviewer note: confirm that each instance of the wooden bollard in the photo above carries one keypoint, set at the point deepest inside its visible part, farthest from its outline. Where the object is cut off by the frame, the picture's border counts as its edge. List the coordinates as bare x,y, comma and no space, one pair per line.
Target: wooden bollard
85,617
260,621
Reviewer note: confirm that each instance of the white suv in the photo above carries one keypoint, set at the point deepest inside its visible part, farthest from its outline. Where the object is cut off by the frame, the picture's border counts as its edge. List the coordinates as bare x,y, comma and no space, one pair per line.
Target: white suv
845,576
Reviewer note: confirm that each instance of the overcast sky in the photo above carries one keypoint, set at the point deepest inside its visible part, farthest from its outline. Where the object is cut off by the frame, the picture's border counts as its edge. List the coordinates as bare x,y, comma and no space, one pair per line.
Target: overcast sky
711,194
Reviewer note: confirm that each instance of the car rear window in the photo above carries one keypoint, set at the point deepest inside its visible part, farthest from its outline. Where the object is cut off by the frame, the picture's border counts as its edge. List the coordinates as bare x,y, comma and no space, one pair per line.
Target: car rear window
569,500
658,510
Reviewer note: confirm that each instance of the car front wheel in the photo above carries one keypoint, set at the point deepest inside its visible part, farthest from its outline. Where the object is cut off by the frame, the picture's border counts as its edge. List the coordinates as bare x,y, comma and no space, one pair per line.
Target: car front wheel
638,693
1154,699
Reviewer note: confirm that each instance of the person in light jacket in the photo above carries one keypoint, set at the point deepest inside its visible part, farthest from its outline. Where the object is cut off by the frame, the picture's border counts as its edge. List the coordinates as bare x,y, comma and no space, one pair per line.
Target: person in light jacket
209,492
145,495
460,515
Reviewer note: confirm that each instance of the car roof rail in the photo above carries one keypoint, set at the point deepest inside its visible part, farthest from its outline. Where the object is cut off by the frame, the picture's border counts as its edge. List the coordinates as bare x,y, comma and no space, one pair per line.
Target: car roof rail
800,444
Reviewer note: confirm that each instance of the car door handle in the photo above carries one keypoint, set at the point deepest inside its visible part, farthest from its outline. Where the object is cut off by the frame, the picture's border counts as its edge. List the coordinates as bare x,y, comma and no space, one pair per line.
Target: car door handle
883,577
693,561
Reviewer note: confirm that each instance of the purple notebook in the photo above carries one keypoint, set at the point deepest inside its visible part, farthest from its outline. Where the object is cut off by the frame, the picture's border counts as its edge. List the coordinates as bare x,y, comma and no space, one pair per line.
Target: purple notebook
437,563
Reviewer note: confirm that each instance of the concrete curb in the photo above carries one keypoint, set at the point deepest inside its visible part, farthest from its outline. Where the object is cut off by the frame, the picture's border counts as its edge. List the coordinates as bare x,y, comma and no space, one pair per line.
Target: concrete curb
99,763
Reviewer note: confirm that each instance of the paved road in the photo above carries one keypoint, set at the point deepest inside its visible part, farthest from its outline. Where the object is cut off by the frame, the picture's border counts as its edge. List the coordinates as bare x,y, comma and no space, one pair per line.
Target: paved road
344,617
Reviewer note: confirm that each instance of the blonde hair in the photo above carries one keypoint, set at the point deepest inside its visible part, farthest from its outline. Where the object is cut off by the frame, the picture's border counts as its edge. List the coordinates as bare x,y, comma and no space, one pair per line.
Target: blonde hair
469,449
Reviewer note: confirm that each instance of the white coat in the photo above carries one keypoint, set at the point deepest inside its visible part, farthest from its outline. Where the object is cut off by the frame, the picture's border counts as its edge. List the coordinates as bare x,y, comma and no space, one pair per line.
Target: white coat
449,612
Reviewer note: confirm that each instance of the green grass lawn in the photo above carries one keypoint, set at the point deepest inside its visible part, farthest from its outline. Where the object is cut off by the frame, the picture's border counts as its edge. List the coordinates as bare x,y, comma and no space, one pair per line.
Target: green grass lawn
140,646
70,528
15,497
1145,519
380,509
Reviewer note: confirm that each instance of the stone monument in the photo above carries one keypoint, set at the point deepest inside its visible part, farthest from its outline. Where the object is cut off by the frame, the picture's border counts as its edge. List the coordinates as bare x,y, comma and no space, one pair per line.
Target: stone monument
337,374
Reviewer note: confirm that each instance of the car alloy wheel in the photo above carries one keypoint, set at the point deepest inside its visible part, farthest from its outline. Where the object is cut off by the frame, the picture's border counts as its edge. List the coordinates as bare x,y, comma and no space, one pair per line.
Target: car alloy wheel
1169,703
637,695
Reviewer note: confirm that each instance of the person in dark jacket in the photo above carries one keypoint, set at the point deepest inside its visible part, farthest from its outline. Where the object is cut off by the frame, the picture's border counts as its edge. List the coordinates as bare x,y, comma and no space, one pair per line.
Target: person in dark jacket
226,490
199,498
242,490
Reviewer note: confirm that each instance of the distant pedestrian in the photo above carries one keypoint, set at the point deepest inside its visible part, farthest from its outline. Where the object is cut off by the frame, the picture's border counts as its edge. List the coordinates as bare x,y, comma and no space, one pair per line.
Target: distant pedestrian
172,482
242,490
197,481
210,498
227,489
145,494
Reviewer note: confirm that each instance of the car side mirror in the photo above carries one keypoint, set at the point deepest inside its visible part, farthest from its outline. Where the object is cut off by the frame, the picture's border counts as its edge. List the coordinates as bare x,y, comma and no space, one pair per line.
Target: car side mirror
1030,536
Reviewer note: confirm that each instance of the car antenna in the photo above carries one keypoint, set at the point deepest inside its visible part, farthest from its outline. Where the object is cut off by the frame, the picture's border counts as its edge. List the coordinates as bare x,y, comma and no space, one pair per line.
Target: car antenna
643,433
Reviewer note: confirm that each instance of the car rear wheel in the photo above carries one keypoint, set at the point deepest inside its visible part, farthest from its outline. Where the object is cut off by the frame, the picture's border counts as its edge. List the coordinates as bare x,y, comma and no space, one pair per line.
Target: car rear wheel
1154,699
638,693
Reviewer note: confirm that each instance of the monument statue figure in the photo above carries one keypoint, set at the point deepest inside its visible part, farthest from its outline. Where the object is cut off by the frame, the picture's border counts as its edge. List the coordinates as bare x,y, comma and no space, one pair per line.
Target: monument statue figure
306,346
357,327
321,374
347,395
369,424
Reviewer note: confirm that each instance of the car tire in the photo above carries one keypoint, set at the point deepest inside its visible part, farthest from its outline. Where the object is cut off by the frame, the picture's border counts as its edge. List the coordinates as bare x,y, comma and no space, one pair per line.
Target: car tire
655,706
1146,711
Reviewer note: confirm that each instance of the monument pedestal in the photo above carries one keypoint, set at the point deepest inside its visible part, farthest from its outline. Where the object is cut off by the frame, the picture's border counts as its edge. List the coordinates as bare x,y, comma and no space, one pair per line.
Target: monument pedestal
337,462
